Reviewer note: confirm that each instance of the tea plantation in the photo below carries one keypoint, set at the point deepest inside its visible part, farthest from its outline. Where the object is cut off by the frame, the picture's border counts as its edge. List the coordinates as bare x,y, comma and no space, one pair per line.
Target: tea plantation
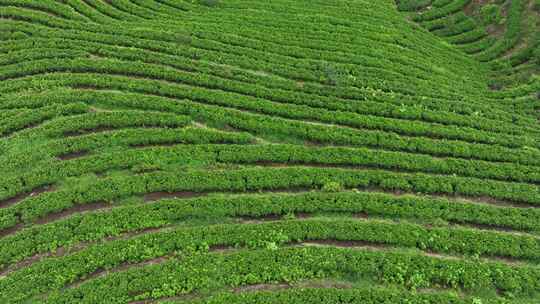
278,151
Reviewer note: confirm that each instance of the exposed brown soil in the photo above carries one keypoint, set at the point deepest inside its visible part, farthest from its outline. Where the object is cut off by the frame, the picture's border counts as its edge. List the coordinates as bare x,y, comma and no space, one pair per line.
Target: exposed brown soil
72,155
259,219
73,210
221,248
19,197
361,215
303,215
11,230
260,287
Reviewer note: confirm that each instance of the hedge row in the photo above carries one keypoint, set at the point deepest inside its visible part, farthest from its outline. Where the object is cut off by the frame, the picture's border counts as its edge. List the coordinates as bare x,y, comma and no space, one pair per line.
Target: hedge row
53,274
511,36
14,161
272,126
26,118
95,226
214,271
340,295
87,122
205,86
442,11
131,42
102,36
241,180
420,85
278,154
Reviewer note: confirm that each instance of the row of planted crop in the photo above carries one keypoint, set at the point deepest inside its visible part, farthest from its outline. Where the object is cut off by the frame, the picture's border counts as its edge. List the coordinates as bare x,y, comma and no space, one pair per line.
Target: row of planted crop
287,154
346,26
25,118
512,34
17,159
291,265
266,125
234,180
165,47
445,22
468,38
91,227
79,124
250,267
313,45
328,55
456,28
463,30
243,53
239,95
478,46
308,70
143,9
337,294
357,65
442,11
293,154
285,91
310,92
108,10
39,52
48,7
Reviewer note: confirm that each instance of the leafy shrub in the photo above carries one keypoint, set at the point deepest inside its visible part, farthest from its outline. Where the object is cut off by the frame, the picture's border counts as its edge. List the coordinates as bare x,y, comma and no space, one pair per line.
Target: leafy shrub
332,187
491,14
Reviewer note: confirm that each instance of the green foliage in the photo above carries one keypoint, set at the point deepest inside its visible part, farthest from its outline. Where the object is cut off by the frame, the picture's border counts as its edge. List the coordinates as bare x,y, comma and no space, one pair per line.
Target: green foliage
491,14
198,154
412,5
332,187
209,3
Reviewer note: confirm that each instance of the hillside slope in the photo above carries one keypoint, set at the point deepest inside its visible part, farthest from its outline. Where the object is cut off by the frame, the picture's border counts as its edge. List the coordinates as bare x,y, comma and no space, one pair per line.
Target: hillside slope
171,151
503,33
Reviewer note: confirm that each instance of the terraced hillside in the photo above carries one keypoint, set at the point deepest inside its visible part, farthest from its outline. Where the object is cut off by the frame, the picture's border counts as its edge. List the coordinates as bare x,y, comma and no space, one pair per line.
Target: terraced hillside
504,33
283,151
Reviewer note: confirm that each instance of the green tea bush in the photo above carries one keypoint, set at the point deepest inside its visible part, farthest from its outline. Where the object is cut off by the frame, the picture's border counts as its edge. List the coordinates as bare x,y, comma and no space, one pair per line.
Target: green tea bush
491,14
332,187
412,5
